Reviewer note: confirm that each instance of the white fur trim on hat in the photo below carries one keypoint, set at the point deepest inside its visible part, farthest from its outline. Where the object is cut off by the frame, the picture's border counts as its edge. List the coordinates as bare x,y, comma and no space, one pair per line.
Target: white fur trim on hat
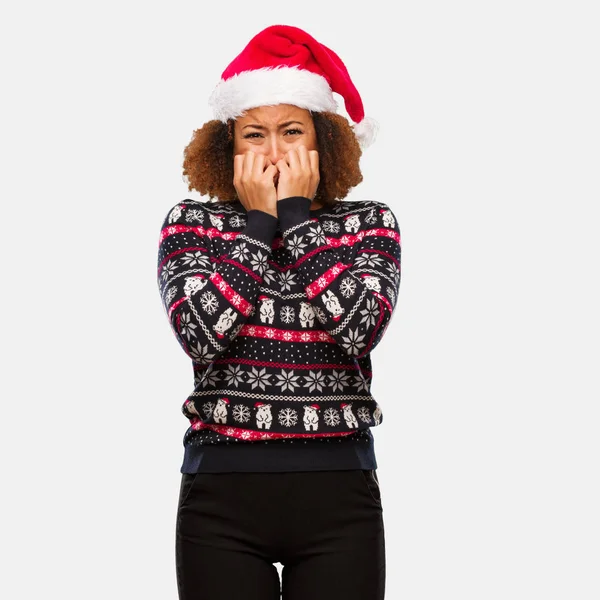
366,131
270,86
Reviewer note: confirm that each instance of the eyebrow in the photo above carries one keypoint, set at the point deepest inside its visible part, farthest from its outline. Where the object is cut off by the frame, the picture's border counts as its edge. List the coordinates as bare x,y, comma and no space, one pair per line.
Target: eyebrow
286,124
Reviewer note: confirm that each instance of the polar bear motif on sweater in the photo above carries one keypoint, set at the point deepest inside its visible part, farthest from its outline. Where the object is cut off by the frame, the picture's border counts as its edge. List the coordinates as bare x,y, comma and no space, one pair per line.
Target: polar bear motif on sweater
217,221
264,417
311,417
352,223
194,284
371,217
377,415
307,314
220,411
267,310
190,407
372,282
175,213
349,416
225,322
388,217
332,304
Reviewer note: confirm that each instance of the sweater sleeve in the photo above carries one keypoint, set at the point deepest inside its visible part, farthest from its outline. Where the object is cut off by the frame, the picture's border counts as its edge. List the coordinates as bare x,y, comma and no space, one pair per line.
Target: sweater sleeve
353,302
207,297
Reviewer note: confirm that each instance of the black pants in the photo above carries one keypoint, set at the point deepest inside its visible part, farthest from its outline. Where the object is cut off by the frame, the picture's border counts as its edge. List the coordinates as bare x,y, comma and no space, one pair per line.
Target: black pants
324,527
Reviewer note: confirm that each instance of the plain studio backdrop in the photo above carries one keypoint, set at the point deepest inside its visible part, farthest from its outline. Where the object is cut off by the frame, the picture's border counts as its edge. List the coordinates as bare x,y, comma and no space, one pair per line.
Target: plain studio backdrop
487,154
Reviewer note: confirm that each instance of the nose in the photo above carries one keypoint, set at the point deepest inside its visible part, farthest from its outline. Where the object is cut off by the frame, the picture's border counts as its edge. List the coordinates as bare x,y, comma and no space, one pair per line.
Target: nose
274,151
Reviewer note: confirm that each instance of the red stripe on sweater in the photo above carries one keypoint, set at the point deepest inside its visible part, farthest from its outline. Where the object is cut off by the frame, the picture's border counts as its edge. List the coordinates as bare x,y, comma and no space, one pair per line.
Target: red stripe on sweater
286,335
252,436
383,299
176,304
231,295
381,252
243,268
349,239
178,252
210,232
324,280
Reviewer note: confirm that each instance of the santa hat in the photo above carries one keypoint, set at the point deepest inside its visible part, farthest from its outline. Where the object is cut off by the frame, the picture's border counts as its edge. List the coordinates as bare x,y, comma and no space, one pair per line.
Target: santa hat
286,65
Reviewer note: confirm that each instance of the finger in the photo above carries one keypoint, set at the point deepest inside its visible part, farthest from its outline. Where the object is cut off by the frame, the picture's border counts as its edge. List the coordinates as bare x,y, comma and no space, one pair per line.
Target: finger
293,160
238,164
271,172
246,170
315,173
282,165
258,166
313,157
303,158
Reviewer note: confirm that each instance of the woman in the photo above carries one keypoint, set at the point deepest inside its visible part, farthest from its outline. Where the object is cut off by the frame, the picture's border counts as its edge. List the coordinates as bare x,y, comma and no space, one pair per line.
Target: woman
278,290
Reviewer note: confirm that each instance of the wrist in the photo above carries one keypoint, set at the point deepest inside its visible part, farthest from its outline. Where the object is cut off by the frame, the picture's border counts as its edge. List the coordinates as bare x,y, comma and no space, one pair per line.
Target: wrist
293,211
261,225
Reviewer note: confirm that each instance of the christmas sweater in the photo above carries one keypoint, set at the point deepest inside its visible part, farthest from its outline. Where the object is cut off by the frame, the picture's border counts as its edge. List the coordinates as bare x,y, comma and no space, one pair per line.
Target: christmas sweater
279,316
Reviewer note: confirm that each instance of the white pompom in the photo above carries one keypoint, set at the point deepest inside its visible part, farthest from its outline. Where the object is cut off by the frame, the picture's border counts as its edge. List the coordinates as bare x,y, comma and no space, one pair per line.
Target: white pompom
366,131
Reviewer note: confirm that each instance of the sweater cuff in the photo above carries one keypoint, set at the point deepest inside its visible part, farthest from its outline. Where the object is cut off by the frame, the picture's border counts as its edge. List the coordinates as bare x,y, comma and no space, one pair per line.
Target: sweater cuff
261,226
293,211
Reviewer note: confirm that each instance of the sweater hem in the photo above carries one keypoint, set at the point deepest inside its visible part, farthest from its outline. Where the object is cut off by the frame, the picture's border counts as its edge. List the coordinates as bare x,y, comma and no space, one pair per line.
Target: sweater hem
330,454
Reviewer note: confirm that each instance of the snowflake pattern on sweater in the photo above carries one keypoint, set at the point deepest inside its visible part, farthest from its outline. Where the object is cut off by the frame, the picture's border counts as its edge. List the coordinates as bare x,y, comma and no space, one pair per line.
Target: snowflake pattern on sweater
280,315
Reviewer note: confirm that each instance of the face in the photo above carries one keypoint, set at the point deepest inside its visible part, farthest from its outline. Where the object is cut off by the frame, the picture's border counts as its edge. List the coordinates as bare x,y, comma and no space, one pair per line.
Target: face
274,130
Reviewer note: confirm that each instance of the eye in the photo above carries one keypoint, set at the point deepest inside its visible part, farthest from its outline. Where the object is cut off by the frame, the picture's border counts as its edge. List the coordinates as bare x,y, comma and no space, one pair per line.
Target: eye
250,135
293,131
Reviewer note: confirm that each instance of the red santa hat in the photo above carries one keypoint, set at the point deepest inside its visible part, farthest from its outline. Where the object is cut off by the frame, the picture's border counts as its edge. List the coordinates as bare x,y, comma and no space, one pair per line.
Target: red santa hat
285,65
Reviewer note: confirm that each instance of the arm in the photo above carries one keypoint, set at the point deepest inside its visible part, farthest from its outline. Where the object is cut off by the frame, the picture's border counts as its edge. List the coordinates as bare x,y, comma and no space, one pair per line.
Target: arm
356,301
208,298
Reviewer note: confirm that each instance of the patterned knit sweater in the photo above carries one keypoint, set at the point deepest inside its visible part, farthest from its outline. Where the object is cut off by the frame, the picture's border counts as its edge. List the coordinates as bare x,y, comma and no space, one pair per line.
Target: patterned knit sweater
279,316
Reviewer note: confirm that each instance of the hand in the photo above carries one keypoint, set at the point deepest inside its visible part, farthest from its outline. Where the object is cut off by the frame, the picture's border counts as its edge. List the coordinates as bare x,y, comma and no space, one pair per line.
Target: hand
298,173
254,180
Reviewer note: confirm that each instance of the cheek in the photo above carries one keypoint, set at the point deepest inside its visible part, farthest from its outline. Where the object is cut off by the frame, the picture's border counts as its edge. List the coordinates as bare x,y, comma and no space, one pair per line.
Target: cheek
238,146
311,141
242,146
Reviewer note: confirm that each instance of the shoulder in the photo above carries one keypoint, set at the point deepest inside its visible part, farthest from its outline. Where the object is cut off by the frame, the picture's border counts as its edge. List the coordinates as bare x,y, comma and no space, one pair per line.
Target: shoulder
369,212
377,205
346,206
200,212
